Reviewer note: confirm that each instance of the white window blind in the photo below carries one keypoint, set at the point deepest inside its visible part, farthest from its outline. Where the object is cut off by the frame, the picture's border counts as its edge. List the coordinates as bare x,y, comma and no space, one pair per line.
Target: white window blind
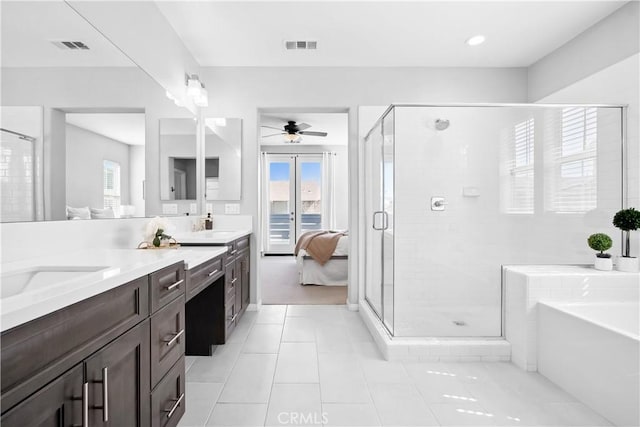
521,190
111,185
574,159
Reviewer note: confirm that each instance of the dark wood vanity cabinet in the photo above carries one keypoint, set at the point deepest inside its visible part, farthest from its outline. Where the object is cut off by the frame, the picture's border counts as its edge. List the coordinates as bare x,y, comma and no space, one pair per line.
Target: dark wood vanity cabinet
101,361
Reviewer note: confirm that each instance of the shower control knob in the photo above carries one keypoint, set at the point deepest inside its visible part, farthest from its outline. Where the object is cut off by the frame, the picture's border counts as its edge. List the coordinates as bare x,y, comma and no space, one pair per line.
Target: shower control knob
438,203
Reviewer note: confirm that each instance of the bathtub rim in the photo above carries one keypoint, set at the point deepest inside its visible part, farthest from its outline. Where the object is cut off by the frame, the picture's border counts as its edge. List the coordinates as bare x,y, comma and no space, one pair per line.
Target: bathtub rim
558,306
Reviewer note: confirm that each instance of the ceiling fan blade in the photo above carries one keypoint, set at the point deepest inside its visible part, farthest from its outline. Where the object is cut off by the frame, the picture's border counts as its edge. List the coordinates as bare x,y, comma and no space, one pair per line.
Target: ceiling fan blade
271,127
303,126
312,133
273,134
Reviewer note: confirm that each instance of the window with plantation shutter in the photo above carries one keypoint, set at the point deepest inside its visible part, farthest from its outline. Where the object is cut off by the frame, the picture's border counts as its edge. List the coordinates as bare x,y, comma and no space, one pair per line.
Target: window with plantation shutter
521,173
572,180
111,185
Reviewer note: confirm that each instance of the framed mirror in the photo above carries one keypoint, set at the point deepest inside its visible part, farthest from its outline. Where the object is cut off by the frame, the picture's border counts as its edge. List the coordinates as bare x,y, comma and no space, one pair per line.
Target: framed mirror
223,158
178,151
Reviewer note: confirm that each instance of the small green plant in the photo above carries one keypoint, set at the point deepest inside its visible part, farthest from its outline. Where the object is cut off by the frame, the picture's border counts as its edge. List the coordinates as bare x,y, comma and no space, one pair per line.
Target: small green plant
600,242
627,220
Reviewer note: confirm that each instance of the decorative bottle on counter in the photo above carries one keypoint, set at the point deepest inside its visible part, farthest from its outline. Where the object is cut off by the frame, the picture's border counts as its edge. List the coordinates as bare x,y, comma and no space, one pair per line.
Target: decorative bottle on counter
208,223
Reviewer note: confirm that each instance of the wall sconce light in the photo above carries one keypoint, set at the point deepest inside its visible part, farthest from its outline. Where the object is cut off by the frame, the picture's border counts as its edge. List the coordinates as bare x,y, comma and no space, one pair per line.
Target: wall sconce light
196,90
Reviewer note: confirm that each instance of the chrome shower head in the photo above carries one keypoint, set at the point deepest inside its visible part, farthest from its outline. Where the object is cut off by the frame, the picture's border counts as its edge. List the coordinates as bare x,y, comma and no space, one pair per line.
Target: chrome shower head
442,124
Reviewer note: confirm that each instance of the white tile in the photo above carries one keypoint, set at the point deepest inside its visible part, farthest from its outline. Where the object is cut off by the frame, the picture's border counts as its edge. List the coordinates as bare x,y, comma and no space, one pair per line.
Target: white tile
342,380
299,329
243,328
215,368
238,414
462,414
251,379
271,314
575,414
188,362
200,399
294,404
350,414
382,371
297,363
263,338
333,339
401,405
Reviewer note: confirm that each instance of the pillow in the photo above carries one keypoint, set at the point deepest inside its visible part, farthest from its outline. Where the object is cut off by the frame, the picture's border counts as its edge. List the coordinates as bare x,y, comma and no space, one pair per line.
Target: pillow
102,213
78,213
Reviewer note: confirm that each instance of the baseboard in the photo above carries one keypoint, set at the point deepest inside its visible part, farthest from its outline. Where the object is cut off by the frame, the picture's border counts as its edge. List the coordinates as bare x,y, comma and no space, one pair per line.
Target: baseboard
352,307
255,307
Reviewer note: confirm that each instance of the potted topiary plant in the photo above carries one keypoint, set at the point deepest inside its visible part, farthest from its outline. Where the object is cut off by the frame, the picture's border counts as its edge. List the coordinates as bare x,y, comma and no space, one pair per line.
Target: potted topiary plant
627,220
601,242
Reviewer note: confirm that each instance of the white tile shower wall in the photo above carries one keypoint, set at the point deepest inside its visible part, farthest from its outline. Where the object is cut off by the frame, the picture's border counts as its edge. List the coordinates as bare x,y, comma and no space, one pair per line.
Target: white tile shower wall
448,263
526,285
23,240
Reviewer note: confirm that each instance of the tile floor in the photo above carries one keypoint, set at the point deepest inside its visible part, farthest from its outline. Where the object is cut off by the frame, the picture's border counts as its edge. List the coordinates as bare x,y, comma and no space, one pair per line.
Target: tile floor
318,365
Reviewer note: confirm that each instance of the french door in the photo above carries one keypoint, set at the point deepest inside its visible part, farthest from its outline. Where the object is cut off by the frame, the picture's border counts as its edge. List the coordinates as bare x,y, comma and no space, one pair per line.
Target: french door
293,197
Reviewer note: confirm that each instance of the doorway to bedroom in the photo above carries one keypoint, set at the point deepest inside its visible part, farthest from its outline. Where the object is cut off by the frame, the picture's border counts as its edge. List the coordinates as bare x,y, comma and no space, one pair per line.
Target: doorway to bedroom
304,207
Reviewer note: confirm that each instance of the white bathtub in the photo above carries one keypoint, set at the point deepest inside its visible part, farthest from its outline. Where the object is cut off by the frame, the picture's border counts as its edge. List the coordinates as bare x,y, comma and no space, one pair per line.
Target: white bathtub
592,351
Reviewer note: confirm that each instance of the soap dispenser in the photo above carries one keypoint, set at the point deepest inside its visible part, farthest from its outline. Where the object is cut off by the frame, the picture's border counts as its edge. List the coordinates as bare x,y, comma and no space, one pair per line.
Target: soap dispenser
208,223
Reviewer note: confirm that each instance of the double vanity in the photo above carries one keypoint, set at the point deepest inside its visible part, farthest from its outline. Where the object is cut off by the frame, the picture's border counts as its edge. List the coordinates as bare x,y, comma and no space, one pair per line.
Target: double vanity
97,338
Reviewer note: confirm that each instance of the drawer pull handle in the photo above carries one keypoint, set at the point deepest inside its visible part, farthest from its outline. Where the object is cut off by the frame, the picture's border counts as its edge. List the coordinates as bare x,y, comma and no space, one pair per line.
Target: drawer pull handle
105,395
234,280
213,272
175,285
85,405
175,338
233,252
231,319
175,406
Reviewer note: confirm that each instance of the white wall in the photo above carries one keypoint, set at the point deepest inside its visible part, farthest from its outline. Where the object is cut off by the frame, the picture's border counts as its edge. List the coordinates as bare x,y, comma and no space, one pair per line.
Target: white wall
137,179
86,152
609,41
241,91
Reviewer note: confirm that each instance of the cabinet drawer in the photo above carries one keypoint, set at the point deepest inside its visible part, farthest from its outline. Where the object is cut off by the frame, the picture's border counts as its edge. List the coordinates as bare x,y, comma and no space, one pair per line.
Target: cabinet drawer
230,278
242,243
168,398
166,285
231,315
167,339
39,351
202,276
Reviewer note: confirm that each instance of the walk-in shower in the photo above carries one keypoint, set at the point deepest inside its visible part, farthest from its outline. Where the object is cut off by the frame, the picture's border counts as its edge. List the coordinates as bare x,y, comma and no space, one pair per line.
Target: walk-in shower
504,184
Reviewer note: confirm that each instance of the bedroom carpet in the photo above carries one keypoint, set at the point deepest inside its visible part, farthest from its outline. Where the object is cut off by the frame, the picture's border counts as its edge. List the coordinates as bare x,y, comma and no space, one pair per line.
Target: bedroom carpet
279,278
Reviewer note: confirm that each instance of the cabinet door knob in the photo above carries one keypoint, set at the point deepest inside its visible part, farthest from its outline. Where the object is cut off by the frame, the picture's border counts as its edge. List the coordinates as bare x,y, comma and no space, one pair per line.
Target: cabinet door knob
175,406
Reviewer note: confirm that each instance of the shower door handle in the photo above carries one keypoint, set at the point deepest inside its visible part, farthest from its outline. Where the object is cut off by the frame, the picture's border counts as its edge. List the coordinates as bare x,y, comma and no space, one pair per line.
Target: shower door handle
375,217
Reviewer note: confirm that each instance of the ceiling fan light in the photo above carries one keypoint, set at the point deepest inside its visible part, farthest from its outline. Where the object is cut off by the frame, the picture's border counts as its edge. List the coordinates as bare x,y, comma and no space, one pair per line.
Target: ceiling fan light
292,137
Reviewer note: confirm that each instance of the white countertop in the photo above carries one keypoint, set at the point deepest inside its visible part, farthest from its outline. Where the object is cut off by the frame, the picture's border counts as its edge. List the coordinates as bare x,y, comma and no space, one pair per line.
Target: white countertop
210,237
555,270
113,268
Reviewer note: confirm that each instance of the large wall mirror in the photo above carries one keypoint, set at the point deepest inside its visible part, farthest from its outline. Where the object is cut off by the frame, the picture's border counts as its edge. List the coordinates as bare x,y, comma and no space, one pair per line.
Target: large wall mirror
223,158
178,150
79,119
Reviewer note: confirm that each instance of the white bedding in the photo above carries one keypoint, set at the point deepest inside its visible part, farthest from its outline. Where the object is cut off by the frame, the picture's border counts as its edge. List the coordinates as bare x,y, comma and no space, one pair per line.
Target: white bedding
333,273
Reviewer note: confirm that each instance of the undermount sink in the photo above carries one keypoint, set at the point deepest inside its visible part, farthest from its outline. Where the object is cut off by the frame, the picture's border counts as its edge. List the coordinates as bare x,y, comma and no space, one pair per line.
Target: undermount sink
35,278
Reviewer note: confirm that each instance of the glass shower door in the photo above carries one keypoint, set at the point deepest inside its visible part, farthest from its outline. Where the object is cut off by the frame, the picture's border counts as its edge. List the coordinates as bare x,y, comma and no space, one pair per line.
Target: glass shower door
379,199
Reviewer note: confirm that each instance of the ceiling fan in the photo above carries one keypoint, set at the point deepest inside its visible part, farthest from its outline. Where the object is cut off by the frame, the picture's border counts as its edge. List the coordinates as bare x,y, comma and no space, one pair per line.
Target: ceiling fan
293,130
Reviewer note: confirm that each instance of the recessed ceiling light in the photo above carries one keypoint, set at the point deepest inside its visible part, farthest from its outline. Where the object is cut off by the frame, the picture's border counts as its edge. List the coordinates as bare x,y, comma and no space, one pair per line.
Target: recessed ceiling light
475,40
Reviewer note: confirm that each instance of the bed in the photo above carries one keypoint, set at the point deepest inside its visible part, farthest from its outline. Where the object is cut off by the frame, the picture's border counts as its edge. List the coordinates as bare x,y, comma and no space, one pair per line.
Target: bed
334,272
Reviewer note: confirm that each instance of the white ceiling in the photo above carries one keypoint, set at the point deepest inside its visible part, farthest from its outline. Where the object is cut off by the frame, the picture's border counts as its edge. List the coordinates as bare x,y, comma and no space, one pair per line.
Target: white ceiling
28,27
379,33
335,124
128,128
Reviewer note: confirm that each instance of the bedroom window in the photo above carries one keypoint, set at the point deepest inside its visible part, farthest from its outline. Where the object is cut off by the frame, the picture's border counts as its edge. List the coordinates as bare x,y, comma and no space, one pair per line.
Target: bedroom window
111,184
572,178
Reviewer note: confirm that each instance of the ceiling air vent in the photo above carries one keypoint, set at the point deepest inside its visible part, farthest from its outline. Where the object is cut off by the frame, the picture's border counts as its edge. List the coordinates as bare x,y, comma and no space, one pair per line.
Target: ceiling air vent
301,44
65,45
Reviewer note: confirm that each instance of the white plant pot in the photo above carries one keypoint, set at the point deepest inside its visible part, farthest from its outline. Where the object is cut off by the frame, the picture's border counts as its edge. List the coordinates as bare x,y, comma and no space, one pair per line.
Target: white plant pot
604,264
627,264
